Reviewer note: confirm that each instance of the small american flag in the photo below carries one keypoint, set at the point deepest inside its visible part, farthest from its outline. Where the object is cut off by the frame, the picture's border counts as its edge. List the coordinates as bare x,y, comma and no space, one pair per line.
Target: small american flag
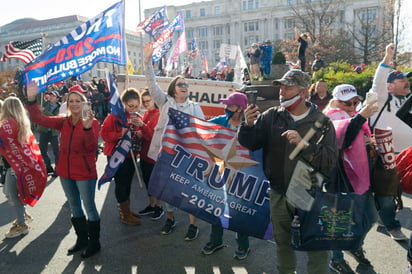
195,135
23,50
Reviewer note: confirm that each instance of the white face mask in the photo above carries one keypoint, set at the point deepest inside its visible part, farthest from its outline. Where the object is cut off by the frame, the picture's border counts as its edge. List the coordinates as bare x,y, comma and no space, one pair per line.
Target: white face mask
290,103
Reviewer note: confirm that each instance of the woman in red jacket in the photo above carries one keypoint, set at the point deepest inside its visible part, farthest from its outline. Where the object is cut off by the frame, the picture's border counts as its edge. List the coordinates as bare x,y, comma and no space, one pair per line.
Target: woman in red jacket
76,165
147,124
111,133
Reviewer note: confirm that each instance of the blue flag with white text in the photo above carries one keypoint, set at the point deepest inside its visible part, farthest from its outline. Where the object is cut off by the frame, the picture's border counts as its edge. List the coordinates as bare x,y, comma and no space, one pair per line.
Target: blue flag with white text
100,39
203,170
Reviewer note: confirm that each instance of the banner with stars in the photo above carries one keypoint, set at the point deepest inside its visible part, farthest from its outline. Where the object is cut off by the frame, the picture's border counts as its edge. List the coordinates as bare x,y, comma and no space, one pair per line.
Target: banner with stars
101,39
203,170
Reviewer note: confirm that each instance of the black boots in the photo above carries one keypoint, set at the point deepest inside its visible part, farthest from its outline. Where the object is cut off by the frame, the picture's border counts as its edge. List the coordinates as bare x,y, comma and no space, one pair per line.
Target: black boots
80,226
93,245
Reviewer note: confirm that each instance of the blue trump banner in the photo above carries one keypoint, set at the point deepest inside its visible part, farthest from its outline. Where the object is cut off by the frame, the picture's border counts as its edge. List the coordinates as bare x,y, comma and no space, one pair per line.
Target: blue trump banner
115,102
155,23
204,171
100,39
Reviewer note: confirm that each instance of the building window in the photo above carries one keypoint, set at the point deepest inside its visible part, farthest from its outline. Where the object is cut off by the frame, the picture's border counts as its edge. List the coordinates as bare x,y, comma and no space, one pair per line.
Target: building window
289,23
202,32
249,40
216,44
202,44
250,4
217,10
289,2
217,30
251,26
202,12
188,14
189,34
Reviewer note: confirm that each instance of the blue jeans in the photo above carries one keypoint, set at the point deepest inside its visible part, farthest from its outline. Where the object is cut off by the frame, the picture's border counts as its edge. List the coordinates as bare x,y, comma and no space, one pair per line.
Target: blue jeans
386,209
216,236
12,194
409,256
78,191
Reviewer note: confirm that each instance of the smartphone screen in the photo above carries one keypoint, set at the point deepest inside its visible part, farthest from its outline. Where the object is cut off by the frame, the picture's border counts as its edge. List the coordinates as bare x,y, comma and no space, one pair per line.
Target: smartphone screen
85,110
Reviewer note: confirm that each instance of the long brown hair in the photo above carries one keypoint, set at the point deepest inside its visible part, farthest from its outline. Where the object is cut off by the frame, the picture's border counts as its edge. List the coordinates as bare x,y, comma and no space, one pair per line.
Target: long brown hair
171,90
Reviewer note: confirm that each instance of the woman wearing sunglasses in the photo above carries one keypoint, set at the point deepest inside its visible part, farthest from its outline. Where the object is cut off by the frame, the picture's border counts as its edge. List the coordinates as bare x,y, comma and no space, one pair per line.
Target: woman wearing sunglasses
350,121
176,98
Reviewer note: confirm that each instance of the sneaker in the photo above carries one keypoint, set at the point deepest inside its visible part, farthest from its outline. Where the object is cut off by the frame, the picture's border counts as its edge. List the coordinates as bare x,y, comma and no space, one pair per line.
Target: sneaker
168,227
158,213
210,248
147,211
17,230
397,235
27,217
241,254
340,267
359,256
192,233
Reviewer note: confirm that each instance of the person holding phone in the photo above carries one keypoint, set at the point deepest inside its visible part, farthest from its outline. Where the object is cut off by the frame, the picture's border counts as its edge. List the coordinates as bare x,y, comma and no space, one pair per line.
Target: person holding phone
111,133
76,165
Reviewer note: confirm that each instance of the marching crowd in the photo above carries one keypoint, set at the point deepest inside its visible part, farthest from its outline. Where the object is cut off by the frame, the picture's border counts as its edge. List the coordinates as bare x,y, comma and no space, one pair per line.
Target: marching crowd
74,136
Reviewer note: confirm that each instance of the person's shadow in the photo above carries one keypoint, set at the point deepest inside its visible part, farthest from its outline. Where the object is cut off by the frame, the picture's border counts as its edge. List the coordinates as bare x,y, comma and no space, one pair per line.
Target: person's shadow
44,246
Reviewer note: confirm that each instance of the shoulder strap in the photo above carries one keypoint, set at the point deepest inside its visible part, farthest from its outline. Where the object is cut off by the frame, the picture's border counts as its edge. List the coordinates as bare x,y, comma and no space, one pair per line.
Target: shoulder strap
380,112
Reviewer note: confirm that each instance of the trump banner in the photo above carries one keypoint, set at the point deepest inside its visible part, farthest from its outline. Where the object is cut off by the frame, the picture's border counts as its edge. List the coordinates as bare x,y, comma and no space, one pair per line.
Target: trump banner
26,162
100,39
204,171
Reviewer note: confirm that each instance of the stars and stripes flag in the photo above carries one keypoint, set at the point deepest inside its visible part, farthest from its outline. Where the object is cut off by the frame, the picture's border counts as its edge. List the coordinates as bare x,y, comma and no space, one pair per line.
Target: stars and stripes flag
23,50
193,50
196,134
155,23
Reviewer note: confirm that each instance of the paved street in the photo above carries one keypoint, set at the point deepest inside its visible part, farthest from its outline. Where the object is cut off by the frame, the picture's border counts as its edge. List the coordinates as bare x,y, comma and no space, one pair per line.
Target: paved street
142,249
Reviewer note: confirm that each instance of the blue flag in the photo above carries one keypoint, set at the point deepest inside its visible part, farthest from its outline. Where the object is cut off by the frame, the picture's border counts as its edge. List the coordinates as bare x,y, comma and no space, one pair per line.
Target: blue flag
116,105
203,170
100,39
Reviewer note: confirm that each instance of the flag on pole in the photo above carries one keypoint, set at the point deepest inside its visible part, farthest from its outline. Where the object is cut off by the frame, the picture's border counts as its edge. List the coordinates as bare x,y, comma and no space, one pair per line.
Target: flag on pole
204,62
155,23
240,67
193,50
23,50
179,47
101,39
130,69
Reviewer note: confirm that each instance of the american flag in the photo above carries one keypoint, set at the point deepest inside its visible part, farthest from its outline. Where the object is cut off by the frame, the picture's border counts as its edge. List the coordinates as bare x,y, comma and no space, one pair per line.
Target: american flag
193,50
195,135
23,50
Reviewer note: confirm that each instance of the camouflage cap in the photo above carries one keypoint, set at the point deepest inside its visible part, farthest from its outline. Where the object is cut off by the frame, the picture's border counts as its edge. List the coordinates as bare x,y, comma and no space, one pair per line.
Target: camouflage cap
294,77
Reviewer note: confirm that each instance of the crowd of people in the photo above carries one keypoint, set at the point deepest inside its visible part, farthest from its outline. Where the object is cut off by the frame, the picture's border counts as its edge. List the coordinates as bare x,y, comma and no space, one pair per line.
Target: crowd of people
277,131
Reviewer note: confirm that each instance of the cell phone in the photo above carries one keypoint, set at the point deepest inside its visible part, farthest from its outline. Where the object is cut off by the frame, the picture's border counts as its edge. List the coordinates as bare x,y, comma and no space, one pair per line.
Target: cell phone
251,97
86,109
371,96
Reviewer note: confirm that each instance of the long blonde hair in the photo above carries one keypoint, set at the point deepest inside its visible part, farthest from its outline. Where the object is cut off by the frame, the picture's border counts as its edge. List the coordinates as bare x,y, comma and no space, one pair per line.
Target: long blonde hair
13,108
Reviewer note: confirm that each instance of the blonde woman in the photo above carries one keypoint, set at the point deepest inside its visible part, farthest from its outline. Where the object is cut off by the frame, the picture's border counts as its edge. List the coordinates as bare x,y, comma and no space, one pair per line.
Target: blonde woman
18,148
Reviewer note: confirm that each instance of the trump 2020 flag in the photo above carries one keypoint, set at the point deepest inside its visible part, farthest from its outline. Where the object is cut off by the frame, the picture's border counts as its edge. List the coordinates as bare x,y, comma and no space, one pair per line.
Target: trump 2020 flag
204,171
155,23
116,105
25,160
100,39
23,50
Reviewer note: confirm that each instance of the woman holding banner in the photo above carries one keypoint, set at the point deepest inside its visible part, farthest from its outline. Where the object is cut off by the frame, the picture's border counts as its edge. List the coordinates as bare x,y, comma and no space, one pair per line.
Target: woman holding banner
76,165
111,133
22,158
176,98
236,103
351,131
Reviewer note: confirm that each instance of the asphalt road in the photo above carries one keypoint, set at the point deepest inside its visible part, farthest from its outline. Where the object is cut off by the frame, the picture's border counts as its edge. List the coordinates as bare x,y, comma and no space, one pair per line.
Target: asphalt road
142,249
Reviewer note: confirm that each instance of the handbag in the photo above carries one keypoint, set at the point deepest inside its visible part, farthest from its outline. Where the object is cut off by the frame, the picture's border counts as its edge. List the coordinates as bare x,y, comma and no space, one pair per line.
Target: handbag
336,220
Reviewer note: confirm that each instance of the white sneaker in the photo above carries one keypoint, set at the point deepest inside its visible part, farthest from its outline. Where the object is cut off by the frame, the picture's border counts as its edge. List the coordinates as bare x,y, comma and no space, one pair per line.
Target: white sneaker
397,235
17,230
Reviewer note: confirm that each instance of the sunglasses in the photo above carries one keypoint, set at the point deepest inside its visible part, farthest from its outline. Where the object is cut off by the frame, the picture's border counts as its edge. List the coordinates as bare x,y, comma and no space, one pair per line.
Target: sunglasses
182,85
349,104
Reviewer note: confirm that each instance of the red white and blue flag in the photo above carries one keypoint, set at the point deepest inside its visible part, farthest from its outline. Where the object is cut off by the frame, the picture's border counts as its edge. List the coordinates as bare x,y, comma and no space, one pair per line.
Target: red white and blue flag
204,171
23,50
193,49
125,143
155,23
100,39
25,160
